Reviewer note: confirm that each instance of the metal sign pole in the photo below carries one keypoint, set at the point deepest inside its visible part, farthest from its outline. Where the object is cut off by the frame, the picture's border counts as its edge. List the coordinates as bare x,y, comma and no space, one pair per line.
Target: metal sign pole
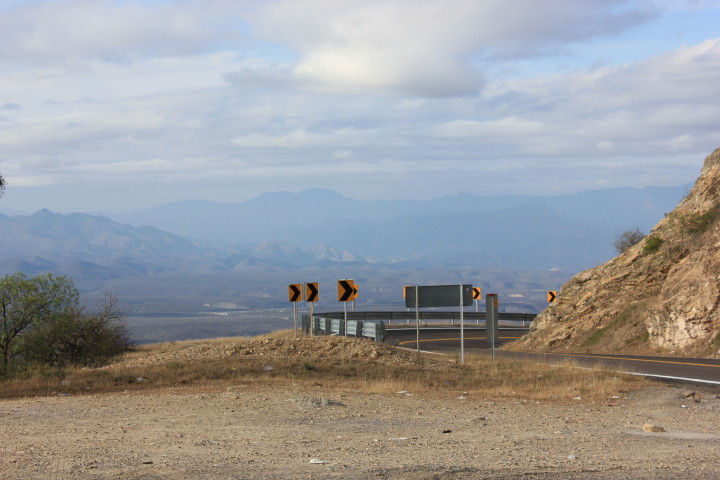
462,327
417,318
345,311
312,319
295,315
491,320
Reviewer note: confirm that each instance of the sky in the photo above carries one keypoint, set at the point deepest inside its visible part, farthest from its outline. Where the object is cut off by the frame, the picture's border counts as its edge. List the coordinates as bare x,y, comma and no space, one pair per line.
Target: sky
113,106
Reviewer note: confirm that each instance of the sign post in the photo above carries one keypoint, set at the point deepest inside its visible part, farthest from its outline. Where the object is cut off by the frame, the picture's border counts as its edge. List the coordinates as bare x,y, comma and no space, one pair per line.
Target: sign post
462,326
439,296
417,320
294,296
355,295
491,320
477,295
312,292
346,293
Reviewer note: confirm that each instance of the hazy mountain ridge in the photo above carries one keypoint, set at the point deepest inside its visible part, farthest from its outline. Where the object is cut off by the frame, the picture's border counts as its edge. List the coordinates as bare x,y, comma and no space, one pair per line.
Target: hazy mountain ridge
290,216
513,244
516,232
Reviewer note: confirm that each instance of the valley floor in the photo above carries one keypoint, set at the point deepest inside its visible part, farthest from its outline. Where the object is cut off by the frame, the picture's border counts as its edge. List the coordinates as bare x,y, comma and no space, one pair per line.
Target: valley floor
246,432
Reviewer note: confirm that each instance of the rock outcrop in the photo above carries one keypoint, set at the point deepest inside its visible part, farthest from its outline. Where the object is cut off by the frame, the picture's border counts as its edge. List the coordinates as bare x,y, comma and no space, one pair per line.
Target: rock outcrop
660,296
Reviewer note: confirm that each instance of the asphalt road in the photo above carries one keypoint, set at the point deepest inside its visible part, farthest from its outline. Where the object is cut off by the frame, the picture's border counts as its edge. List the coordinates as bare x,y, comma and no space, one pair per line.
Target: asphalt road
698,370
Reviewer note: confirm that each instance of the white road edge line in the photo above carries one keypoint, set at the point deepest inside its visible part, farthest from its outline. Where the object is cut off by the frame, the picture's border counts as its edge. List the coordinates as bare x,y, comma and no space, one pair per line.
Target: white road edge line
668,377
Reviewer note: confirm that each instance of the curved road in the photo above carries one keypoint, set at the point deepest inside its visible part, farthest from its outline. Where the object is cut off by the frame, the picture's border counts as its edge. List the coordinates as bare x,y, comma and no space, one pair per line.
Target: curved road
699,370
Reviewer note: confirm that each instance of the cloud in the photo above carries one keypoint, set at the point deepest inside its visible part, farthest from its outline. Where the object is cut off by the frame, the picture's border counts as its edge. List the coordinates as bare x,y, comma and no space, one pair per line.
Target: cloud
662,104
404,98
70,33
429,48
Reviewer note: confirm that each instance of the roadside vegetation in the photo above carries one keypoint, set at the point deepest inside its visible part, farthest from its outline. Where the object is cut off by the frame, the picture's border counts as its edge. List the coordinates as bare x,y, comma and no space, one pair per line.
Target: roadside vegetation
327,363
684,233
44,328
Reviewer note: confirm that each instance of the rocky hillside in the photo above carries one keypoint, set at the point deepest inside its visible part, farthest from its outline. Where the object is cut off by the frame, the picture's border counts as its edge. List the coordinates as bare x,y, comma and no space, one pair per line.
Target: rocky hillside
661,296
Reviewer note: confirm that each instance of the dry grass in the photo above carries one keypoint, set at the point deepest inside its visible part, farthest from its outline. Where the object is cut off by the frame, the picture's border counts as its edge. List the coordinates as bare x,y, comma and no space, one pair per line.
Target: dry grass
360,365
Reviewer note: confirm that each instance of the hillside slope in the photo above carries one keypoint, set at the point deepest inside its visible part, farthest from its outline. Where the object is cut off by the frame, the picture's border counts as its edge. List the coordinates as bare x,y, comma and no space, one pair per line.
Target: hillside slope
648,300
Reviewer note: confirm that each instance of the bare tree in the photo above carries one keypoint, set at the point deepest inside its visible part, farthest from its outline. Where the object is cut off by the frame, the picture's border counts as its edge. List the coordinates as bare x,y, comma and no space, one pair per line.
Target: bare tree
627,239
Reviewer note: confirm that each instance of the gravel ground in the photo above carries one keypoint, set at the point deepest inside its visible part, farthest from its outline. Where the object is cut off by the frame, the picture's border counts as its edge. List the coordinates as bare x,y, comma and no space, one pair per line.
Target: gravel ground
288,433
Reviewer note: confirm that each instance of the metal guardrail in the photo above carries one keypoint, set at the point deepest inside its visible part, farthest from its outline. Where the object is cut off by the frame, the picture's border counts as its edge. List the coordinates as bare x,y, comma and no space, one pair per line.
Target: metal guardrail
372,324
333,325
427,316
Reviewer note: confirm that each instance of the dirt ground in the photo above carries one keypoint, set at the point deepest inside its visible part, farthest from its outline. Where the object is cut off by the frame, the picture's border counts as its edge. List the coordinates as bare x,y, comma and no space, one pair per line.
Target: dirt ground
250,432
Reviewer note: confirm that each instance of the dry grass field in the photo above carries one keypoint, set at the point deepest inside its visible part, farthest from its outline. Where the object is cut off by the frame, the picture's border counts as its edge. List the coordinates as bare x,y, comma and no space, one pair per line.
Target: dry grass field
345,363
280,406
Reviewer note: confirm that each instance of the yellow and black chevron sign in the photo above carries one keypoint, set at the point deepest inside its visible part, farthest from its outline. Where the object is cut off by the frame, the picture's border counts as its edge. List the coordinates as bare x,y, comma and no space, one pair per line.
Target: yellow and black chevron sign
295,292
312,292
346,291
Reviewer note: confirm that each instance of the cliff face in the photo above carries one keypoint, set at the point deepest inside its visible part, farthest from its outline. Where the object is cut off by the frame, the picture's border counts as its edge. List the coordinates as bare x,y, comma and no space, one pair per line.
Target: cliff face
660,296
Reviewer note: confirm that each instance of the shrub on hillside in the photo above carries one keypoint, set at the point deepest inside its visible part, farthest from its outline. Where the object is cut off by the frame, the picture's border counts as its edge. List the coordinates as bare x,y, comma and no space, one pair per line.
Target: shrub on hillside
627,239
652,244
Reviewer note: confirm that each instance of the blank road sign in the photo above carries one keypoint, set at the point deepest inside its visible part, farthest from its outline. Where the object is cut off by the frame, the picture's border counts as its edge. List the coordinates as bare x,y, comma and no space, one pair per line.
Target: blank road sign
439,296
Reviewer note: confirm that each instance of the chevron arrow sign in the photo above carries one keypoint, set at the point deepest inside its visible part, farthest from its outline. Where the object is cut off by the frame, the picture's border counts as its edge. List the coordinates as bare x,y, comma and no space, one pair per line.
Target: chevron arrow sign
346,290
295,292
312,292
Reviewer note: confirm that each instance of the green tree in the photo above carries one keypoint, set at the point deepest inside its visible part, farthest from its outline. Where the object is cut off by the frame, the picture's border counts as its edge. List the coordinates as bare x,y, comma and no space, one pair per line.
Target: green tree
25,302
43,322
2,185
78,337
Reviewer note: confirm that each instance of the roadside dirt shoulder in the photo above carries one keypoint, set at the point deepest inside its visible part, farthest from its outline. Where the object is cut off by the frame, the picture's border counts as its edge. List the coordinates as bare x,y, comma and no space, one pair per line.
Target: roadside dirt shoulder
246,432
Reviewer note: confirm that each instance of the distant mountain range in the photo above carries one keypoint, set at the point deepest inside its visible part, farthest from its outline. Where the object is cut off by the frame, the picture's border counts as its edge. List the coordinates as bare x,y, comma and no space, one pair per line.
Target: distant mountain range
312,216
277,235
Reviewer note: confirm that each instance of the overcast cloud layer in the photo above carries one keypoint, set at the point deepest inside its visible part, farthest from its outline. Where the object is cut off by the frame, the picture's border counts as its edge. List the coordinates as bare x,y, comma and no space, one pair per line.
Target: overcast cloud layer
118,105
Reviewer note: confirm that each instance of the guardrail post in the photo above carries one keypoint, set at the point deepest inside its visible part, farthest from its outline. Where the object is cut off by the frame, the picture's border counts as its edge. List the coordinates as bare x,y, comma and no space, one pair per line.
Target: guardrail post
359,328
380,332
304,324
342,328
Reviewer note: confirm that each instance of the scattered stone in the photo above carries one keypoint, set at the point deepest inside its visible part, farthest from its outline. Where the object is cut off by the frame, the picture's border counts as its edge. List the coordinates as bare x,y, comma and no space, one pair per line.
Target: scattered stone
447,431
648,427
321,402
316,461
